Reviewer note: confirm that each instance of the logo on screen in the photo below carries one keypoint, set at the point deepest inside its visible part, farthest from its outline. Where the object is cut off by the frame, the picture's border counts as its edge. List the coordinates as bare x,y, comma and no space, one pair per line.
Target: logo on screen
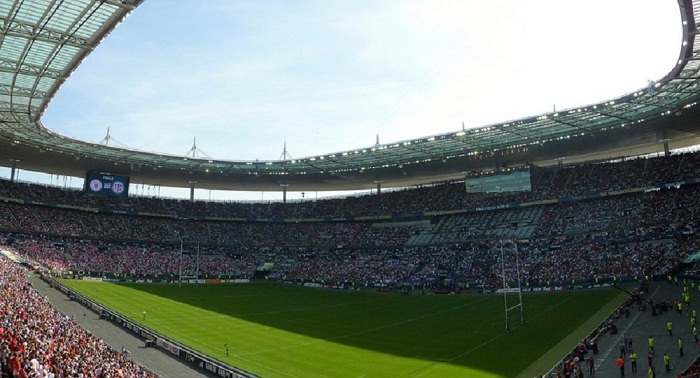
96,185
118,187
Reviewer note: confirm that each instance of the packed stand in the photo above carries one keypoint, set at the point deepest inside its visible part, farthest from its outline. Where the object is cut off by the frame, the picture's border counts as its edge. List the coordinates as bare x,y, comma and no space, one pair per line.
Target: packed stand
608,236
548,183
475,265
38,341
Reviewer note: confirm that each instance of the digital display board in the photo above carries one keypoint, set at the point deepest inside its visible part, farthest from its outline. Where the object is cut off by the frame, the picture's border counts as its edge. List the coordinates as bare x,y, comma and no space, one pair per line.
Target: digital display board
106,184
511,182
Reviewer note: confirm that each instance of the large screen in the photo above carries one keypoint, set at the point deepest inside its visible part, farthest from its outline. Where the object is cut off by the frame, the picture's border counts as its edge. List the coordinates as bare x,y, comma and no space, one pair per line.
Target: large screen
499,183
106,184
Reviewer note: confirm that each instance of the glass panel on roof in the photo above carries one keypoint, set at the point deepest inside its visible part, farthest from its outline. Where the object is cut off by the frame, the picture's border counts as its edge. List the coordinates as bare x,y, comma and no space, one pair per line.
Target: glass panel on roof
30,13
102,15
69,51
96,20
21,101
45,84
25,81
97,17
39,53
12,47
5,6
66,15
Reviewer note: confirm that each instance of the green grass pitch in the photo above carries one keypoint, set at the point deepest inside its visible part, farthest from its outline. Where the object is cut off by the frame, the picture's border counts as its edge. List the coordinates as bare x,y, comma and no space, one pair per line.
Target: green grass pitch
278,330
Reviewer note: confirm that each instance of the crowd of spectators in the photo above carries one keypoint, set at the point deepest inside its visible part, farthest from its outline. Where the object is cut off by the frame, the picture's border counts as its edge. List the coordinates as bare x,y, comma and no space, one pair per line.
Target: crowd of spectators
620,214
41,220
547,183
476,265
38,341
624,216
603,236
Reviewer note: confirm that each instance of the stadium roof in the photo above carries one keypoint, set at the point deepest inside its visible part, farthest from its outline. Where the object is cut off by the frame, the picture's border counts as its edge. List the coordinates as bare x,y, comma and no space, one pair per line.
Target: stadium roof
43,41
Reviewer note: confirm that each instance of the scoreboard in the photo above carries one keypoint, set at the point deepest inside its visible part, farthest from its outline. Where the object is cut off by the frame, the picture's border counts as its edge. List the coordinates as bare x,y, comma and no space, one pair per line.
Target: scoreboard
512,182
106,184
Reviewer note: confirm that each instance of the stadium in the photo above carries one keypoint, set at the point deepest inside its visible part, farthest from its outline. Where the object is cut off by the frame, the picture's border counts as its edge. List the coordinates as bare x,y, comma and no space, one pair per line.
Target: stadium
552,245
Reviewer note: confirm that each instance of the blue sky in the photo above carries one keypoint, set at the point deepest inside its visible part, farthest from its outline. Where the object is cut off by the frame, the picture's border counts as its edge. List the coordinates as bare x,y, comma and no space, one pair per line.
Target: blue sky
243,77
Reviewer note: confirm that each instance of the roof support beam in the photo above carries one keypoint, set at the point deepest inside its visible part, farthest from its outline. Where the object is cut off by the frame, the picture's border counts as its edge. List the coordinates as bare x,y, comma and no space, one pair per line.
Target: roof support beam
21,29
